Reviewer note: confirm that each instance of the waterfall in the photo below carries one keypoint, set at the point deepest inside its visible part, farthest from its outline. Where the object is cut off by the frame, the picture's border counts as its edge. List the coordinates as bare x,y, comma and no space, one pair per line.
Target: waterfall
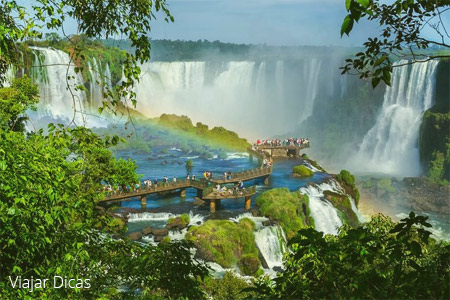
271,242
58,93
60,96
96,84
391,145
230,93
325,215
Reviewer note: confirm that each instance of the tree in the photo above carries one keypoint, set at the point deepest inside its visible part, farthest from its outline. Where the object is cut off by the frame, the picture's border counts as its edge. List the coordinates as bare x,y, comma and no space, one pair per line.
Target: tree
378,260
402,24
14,101
124,18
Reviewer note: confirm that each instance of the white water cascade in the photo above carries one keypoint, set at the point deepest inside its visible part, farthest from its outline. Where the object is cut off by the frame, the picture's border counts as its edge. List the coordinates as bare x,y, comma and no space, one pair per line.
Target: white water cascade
325,216
391,146
233,93
271,241
59,97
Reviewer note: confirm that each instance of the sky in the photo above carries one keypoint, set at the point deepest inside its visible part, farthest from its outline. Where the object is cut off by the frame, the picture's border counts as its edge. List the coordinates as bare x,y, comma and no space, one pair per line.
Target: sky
276,22
272,22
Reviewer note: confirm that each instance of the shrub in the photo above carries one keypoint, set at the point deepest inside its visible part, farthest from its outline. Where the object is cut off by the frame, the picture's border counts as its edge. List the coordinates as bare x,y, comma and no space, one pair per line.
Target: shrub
189,163
290,209
302,171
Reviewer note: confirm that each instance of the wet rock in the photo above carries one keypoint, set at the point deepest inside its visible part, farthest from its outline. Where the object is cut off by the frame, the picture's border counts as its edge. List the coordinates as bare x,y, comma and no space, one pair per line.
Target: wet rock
147,231
266,223
249,265
176,223
262,259
158,238
164,162
255,213
277,269
160,232
135,236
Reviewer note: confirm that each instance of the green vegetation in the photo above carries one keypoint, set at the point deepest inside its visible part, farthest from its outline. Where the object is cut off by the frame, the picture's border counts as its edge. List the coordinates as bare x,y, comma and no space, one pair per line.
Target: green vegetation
434,137
50,187
225,242
302,171
401,23
344,208
174,131
385,184
14,101
227,288
377,260
218,136
183,220
347,181
290,209
189,163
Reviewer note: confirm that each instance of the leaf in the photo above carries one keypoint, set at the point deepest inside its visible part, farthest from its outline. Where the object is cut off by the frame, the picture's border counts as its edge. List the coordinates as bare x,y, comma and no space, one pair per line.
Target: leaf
347,25
364,3
375,81
380,60
347,4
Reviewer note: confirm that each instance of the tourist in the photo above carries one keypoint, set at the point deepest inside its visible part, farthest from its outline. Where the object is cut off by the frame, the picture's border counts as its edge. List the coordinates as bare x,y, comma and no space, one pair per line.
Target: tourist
188,177
225,176
156,183
193,177
218,188
174,180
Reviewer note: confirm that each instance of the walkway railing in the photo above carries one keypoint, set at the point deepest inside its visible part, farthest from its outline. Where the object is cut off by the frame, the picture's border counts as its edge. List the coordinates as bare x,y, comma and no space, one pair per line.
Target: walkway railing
207,186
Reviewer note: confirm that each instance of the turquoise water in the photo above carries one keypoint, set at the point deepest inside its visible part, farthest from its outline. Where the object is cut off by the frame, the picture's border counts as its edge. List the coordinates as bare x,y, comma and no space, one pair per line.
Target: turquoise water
173,164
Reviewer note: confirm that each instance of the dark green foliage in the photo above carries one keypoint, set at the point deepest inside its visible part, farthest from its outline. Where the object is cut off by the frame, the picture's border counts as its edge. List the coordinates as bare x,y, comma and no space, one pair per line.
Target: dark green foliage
49,188
14,101
302,171
290,209
146,134
223,241
378,260
227,288
347,180
434,136
344,208
402,23
189,163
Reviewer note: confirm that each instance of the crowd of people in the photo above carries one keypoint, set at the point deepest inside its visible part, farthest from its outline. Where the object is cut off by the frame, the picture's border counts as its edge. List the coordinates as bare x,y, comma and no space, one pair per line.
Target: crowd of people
286,142
236,189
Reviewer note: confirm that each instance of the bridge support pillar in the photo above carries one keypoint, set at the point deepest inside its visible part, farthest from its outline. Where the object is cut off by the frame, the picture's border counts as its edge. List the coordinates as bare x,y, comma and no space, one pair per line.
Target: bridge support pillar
297,152
212,206
183,193
199,193
248,202
143,201
266,180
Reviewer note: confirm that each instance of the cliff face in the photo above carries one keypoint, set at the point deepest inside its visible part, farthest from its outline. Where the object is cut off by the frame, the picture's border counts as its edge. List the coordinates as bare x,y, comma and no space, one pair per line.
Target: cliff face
434,138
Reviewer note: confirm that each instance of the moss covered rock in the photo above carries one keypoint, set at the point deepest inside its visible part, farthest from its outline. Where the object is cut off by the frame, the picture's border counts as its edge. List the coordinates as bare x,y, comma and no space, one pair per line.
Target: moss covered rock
291,210
224,242
347,181
180,222
302,171
343,207
249,264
